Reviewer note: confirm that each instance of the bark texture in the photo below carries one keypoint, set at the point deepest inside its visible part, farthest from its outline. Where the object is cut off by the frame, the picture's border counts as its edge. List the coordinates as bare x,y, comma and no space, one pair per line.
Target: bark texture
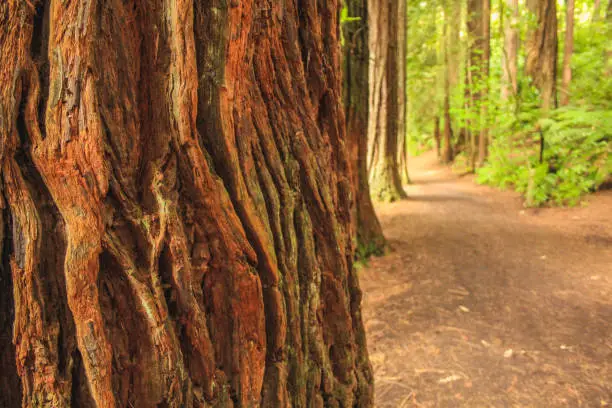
402,128
479,33
483,139
568,50
368,232
475,77
542,43
385,23
175,227
509,85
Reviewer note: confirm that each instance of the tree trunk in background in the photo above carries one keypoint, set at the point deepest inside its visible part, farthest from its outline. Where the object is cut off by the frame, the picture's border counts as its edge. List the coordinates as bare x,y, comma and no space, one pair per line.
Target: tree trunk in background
608,52
541,60
463,136
402,50
447,45
437,136
567,52
510,52
483,139
383,128
368,232
448,130
175,228
474,69
595,13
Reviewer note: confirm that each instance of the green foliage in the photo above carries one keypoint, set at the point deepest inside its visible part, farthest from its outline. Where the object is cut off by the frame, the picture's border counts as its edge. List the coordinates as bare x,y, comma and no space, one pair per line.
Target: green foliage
365,250
576,157
345,19
577,138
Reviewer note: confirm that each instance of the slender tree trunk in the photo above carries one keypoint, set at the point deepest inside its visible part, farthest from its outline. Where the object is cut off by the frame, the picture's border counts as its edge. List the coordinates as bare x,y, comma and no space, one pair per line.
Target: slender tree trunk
462,142
467,110
483,139
368,232
385,104
541,61
437,136
175,227
510,52
608,51
447,50
448,132
567,53
475,32
596,8
401,86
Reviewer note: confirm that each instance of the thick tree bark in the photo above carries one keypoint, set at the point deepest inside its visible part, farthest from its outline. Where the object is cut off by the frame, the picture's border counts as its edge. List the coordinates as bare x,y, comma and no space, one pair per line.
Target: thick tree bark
510,51
541,61
368,232
567,53
175,226
384,24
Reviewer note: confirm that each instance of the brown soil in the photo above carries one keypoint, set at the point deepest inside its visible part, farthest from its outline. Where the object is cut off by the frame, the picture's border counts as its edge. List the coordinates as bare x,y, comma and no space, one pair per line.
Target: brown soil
483,303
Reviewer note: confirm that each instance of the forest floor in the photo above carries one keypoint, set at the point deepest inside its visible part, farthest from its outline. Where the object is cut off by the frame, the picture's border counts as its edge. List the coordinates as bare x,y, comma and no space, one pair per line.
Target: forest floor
483,303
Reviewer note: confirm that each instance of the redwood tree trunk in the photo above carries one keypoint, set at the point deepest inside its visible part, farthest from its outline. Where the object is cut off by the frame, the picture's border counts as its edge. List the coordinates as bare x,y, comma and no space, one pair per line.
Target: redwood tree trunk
175,228
385,23
402,50
541,61
510,52
608,51
475,76
448,46
368,232
567,52
483,139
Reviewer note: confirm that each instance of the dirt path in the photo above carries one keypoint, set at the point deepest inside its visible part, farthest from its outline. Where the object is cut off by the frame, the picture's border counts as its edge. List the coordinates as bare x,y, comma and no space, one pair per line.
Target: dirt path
485,304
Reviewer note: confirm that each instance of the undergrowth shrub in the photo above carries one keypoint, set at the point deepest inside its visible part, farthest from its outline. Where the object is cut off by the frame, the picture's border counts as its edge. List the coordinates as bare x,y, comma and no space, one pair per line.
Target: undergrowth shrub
575,159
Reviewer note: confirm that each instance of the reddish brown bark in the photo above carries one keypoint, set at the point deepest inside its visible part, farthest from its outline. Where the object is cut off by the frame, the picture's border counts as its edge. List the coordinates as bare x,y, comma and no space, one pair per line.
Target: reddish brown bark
568,50
475,72
510,51
386,53
541,60
176,225
483,139
368,232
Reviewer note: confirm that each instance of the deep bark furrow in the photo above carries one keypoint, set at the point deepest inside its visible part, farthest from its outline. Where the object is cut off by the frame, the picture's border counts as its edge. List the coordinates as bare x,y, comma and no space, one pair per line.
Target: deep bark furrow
542,44
386,26
367,231
202,254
